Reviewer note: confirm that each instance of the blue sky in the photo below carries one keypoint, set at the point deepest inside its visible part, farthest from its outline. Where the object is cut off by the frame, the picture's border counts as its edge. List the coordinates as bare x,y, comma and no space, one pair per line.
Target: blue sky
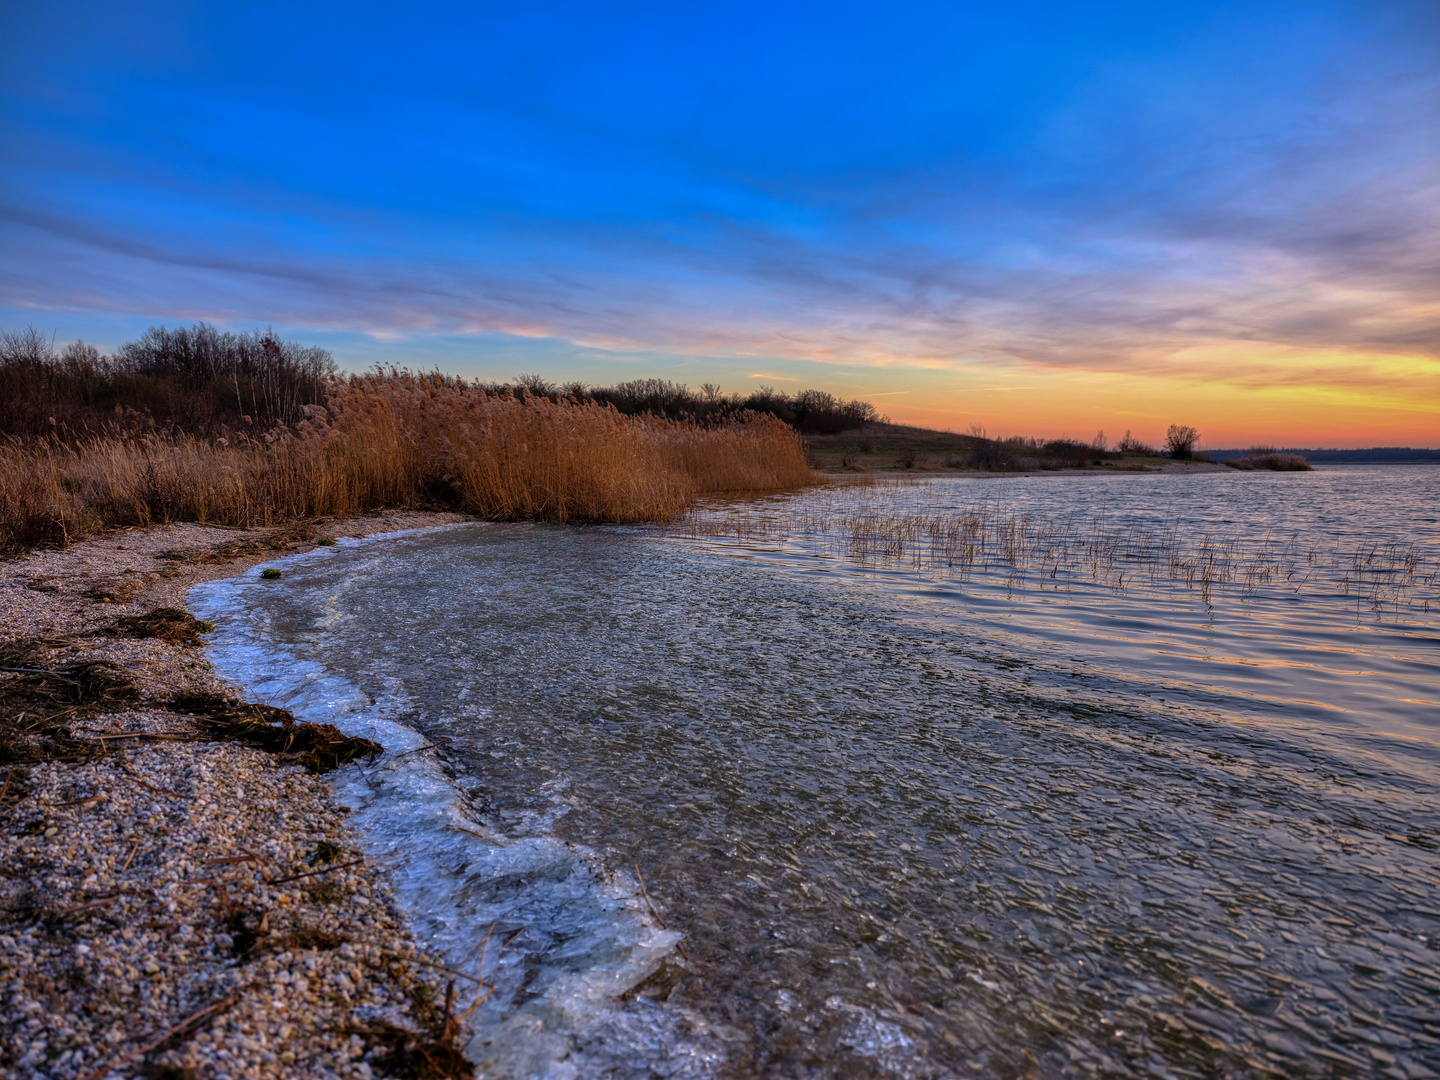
1043,217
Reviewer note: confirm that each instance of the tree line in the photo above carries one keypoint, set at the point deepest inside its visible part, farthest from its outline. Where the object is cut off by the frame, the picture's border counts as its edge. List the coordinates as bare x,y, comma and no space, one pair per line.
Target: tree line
201,380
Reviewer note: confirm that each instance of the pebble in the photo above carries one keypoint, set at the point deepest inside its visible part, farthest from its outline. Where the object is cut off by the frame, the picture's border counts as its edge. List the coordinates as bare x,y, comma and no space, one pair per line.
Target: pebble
141,888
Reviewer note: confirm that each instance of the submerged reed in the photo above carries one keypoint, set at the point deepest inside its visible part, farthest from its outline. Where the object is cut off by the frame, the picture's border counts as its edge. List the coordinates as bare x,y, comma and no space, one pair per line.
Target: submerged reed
1030,550
398,440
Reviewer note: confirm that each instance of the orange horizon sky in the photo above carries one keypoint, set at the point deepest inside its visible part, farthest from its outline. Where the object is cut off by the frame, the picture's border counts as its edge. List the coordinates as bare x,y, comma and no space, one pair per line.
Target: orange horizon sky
1045,224
1306,399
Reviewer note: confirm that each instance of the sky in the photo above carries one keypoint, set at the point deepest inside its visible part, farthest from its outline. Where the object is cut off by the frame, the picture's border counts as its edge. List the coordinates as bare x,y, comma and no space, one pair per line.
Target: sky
1042,219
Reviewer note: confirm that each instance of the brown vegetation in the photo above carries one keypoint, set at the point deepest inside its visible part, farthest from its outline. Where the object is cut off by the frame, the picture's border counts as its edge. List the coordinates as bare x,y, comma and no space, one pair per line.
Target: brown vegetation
40,699
883,446
200,381
317,747
395,440
203,381
1023,549
1265,457
1180,440
164,623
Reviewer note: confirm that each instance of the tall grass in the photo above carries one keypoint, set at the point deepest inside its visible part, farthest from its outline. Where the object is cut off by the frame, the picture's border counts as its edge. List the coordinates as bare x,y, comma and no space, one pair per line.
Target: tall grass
397,440
865,522
1267,457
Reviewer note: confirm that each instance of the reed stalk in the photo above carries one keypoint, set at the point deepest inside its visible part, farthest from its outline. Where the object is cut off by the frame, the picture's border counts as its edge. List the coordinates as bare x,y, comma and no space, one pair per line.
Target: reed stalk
397,440
1031,550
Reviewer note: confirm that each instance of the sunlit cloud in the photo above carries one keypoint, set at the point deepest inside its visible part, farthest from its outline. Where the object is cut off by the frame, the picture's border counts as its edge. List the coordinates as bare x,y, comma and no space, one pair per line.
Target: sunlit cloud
1247,206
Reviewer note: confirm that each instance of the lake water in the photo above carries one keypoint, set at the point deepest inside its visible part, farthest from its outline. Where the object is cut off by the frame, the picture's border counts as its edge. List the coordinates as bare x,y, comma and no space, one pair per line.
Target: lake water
1145,780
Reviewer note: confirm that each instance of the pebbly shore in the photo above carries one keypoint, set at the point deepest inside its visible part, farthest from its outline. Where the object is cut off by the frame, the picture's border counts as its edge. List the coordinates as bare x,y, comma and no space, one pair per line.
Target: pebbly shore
180,893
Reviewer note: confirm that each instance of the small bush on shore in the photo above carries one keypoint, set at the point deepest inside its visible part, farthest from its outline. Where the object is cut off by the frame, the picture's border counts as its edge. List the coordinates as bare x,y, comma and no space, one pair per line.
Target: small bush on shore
1067,453
1131,446
1264,457
994,455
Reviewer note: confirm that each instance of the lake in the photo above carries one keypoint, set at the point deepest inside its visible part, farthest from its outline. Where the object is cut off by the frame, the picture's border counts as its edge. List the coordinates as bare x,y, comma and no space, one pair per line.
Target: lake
1037,775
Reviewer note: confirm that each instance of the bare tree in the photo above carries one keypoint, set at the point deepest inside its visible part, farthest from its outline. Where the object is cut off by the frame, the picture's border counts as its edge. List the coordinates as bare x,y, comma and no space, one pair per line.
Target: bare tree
29,348
1180,440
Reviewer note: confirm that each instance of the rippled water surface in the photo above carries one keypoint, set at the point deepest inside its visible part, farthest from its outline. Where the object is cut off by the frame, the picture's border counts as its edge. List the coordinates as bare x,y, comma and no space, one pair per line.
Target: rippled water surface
911,819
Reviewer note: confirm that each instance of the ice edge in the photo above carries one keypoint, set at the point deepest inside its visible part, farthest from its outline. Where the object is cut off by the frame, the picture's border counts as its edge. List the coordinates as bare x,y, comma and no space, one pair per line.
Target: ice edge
454,878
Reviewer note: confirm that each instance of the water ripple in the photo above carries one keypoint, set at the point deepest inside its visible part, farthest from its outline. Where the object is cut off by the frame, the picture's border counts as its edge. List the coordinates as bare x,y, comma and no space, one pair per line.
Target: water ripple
911,827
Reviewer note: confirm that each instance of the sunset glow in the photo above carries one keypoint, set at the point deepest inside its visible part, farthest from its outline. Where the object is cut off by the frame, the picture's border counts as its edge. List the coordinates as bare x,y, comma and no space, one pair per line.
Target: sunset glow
1053,220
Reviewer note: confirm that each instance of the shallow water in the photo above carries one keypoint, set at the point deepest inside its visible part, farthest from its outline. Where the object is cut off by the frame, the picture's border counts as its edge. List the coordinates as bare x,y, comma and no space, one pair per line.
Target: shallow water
909,821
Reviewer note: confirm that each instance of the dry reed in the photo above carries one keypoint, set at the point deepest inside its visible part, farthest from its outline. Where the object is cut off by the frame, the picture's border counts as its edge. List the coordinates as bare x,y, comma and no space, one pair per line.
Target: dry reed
1024,549
398,440
1263,457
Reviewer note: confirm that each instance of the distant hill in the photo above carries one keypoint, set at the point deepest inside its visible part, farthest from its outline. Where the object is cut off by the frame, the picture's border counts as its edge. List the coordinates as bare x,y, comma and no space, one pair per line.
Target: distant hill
1316,457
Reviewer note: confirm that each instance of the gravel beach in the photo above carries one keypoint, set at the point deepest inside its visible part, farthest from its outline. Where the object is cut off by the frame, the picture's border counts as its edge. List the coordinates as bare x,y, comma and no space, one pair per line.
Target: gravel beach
177,898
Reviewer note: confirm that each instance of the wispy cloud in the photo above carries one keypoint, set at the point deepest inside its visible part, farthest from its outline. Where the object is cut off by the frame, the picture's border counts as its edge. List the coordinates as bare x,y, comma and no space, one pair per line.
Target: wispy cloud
1254,199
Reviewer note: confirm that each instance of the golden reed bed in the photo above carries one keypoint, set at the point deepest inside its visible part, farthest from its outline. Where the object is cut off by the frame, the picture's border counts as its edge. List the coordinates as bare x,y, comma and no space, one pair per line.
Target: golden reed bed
398,440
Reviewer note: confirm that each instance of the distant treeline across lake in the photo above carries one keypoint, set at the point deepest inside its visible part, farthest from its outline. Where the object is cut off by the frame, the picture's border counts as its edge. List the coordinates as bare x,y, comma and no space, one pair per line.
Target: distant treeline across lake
1375,454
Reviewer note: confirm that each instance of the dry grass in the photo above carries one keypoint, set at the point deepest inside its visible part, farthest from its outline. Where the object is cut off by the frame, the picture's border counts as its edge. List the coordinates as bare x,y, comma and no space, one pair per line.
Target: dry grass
398,440
1264,457
863,522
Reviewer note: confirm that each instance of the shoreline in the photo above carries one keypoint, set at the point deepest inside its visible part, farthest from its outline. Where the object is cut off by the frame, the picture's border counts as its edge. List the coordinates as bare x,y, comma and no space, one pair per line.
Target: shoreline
170,903
1151,468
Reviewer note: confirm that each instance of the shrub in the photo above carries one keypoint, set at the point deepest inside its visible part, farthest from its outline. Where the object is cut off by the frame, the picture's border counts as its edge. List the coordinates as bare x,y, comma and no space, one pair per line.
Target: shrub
1264,457
1180,441
1133,446
197,381
1068,451
813,412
